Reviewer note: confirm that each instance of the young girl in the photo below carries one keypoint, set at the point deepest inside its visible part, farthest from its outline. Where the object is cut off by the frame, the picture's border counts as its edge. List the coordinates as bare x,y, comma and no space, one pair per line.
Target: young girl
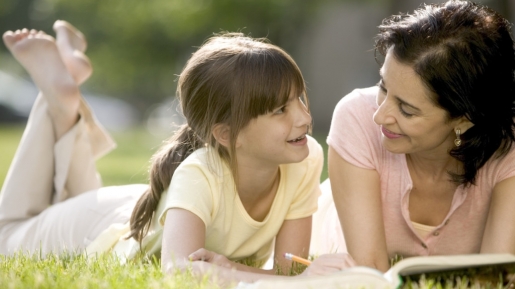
239,181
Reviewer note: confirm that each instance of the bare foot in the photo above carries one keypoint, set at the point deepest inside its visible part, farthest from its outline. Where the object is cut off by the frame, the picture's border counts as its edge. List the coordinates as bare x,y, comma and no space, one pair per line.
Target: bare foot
38,54
72,44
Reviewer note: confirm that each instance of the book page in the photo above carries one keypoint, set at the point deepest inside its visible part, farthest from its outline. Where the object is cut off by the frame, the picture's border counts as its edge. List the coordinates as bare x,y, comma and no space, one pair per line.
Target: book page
419,265
356,277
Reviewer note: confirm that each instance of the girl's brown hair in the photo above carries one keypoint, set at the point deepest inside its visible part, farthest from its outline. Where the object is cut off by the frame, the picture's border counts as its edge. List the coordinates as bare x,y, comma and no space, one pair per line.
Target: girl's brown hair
230,80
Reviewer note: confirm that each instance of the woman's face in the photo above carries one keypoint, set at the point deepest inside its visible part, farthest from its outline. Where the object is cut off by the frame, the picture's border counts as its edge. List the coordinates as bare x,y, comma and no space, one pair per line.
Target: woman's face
410,122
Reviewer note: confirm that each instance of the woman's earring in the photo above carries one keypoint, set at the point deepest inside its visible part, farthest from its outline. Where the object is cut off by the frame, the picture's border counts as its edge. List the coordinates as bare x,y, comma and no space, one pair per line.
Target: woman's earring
457,141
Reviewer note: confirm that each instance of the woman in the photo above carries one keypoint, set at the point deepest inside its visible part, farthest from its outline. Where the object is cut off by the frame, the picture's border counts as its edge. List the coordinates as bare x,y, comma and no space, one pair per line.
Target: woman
423,163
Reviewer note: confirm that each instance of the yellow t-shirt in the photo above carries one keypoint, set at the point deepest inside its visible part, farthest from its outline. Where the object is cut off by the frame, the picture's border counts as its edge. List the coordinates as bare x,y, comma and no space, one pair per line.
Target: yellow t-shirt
203,185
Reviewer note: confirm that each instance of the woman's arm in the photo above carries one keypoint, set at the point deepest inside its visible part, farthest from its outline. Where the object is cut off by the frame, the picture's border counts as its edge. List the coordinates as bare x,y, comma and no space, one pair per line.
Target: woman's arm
357,197
499,235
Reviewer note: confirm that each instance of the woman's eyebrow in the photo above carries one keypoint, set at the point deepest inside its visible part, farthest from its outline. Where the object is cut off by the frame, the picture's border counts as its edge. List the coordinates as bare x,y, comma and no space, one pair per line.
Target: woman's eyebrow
398,98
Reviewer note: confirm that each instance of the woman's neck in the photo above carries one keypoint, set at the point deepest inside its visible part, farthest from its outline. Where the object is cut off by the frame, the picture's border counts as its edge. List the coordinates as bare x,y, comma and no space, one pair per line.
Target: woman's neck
433,167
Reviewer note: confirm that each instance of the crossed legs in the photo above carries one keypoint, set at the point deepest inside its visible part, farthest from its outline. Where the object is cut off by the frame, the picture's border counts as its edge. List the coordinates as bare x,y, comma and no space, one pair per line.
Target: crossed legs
42,202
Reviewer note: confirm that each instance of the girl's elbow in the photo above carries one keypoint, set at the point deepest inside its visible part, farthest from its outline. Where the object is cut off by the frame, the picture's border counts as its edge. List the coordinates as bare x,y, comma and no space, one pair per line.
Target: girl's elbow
172,266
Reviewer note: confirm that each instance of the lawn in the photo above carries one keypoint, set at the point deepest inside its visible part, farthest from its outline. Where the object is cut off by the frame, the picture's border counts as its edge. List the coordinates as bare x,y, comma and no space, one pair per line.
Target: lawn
126,165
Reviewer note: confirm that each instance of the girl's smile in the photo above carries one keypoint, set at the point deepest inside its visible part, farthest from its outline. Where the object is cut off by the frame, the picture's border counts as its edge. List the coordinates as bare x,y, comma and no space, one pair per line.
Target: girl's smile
300,141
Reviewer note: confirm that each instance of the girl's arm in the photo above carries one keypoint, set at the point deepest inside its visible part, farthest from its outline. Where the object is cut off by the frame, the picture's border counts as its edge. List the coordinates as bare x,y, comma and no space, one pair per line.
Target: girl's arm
184,234
357,197
499,232
293,237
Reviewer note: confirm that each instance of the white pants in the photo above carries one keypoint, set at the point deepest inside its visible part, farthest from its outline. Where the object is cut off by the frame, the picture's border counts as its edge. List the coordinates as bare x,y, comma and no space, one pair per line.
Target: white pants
52,198
326,235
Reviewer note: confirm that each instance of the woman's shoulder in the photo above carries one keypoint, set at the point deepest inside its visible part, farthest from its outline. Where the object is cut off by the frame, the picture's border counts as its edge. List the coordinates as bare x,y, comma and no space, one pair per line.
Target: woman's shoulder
498,168
356,108
360,98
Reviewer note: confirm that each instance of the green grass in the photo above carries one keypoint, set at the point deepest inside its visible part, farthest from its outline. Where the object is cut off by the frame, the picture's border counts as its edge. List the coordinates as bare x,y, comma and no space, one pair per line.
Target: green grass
125,165
78,271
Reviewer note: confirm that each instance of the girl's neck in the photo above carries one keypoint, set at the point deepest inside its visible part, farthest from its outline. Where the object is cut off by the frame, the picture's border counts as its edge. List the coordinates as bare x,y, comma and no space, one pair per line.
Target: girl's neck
254,183
257,189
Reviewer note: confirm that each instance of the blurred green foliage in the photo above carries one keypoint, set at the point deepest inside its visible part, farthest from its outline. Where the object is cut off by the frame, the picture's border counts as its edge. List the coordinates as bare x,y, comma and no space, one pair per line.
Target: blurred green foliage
127,164
138,47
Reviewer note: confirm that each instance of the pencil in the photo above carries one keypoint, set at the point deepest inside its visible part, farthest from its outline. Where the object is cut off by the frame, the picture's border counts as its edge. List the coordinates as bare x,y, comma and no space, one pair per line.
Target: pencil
298,259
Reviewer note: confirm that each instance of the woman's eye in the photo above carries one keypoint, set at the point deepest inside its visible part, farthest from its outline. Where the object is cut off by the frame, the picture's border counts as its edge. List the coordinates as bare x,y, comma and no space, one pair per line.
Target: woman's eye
381,87
403,112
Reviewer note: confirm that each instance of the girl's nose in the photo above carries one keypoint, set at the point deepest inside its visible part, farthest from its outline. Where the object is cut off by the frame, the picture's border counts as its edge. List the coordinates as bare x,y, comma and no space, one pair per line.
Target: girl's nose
304,115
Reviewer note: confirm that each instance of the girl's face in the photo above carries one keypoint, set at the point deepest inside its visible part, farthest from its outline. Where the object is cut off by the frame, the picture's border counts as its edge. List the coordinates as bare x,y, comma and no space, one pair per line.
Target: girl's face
409,120
276,138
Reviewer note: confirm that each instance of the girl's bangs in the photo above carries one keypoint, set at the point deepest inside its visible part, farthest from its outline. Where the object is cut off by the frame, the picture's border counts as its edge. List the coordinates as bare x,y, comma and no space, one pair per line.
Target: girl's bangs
277,80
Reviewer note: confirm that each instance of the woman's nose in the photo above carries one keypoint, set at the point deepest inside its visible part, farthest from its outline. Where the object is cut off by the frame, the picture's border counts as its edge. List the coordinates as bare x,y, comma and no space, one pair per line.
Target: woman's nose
383,114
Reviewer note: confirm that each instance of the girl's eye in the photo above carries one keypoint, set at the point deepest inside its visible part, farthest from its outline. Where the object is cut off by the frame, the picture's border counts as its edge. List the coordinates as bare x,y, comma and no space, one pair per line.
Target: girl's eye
280,110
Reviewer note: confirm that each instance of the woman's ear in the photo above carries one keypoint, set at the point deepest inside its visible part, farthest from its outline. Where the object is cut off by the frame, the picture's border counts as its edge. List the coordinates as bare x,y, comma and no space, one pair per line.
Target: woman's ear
222,134
463,124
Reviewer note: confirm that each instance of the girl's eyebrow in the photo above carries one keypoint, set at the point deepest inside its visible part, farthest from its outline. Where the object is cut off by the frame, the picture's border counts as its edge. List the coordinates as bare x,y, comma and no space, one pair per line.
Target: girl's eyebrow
398,98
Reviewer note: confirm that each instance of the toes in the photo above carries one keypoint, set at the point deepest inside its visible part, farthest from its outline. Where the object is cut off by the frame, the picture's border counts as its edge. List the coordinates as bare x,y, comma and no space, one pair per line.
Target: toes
9,38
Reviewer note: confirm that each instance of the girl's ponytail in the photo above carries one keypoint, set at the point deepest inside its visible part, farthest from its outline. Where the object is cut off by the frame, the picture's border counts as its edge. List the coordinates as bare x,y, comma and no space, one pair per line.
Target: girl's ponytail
164,163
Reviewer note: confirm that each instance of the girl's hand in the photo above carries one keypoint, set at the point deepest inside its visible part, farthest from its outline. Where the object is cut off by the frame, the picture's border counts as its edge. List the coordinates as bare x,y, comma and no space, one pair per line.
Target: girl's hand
211,257
329,263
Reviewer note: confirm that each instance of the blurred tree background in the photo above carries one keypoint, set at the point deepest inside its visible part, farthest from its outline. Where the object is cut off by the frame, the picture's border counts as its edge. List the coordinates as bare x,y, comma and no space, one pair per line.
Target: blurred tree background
138,47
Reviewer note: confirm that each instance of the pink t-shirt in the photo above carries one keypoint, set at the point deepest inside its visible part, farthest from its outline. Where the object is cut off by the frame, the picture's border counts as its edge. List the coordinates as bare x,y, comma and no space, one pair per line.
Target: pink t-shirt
356,137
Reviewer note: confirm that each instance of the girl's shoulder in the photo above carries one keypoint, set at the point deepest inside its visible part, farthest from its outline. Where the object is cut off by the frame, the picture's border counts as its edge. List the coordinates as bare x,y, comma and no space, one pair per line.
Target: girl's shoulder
310,165
205,161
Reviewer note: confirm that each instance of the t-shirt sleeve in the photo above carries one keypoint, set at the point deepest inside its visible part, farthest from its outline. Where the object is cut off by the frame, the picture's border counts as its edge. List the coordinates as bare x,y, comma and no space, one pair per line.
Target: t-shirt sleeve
505,166
190,189
308,172
353,133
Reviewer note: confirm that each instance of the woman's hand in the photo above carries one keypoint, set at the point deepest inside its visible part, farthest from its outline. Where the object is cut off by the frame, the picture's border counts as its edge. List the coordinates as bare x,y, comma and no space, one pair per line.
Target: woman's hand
211,257
329,263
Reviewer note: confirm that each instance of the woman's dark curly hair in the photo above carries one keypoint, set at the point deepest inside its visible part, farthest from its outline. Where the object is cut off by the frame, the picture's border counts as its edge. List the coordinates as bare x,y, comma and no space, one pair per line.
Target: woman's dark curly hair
464,54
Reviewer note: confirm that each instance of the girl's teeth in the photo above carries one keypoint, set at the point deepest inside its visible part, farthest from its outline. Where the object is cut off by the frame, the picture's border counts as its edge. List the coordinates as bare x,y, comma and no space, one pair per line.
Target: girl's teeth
297,139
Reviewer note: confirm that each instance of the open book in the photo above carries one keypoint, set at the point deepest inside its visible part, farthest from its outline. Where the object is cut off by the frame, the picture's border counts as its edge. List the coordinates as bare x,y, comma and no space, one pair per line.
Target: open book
493,266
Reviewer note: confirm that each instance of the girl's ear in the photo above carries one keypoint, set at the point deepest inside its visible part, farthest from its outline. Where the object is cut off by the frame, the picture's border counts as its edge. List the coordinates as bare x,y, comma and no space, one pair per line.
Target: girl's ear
222,134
